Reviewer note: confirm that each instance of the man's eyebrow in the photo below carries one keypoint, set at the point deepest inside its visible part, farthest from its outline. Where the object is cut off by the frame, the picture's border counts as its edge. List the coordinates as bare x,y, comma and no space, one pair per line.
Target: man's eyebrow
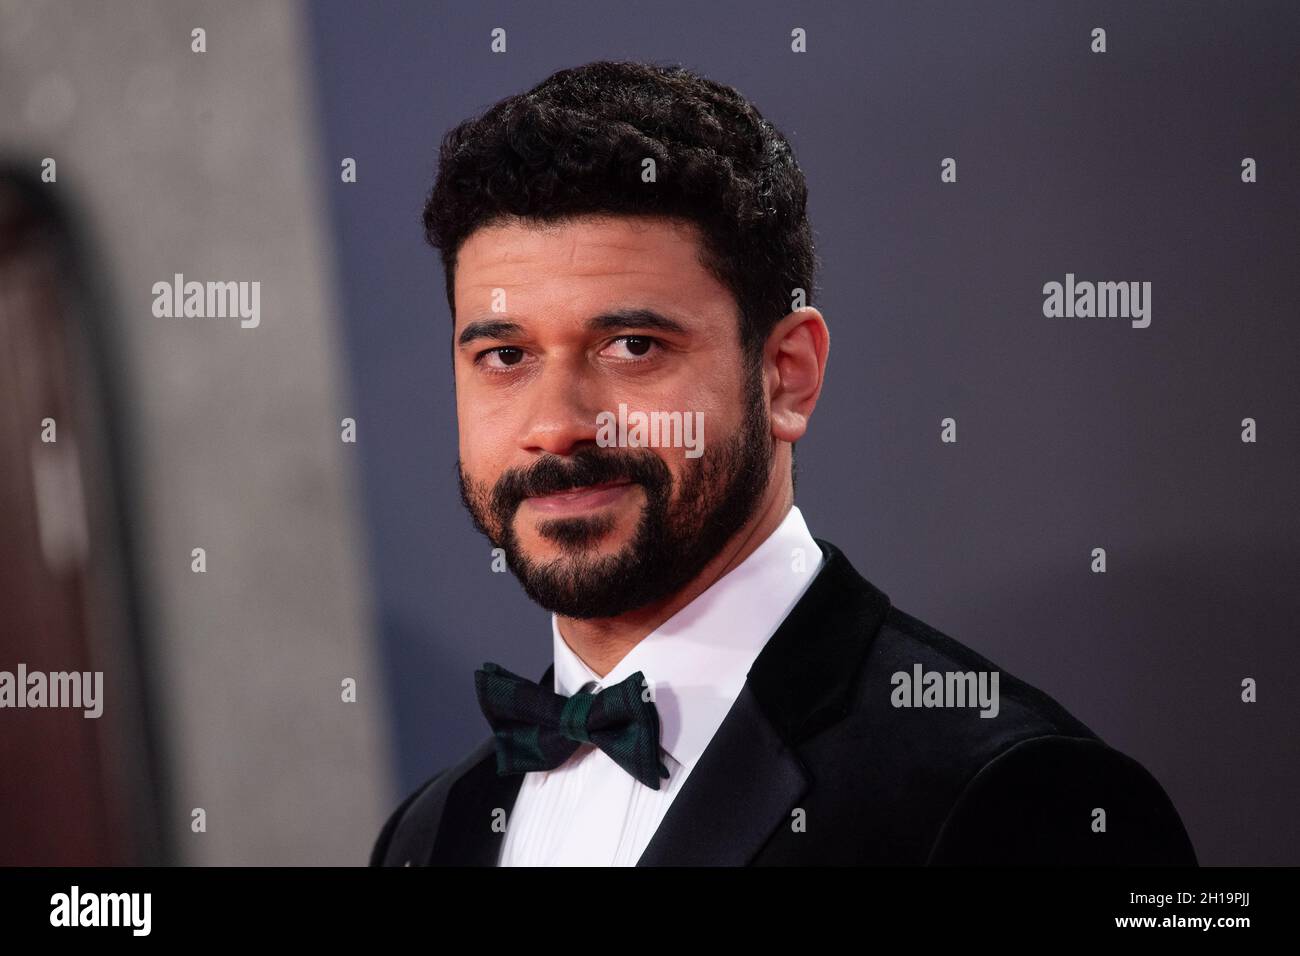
635,319
488,329
605,322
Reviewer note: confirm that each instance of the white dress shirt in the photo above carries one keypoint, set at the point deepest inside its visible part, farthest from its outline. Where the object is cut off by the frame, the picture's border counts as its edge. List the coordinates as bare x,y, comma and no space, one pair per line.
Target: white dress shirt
589,811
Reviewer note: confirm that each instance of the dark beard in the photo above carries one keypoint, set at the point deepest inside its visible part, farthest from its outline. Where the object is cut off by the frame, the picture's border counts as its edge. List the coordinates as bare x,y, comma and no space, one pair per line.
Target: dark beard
674,539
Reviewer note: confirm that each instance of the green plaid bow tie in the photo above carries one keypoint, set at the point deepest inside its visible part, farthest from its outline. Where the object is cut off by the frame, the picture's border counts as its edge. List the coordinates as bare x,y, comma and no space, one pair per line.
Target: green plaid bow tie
537,729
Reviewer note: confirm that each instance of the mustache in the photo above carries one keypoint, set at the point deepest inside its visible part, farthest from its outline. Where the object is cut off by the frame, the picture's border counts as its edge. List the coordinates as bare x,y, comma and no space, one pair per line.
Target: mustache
552,474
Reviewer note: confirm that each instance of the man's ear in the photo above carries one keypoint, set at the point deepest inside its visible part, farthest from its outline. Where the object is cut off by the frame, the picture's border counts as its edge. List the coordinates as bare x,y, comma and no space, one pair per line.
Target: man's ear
794,361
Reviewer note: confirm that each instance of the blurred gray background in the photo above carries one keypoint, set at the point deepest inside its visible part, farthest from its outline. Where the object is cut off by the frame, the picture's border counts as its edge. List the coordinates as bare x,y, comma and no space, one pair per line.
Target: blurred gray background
331,560
207,164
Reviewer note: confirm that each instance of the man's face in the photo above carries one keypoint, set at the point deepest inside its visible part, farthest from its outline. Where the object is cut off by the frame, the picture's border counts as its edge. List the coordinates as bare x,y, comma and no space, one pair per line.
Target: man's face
556,325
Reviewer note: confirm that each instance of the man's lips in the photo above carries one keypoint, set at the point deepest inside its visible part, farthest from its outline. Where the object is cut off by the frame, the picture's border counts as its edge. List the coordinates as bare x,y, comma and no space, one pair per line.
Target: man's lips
581,499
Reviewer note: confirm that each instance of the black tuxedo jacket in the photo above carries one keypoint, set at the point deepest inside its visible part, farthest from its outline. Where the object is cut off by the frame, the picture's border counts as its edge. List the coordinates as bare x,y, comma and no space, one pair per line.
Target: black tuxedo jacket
815,730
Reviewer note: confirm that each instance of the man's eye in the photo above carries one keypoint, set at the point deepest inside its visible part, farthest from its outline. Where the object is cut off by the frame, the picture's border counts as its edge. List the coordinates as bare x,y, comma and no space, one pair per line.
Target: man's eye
633,346
502,357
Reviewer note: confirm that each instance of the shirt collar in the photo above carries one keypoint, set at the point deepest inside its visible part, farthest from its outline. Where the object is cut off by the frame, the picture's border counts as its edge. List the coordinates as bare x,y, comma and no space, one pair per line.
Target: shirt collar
698,659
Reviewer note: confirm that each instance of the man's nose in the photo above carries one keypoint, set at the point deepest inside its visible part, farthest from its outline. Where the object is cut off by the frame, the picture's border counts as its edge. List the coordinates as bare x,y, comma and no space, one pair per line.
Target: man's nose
560,413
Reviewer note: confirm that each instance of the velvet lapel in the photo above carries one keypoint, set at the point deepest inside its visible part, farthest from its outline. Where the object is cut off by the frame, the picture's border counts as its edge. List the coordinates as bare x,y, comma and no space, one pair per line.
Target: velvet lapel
743,788
466,833
749,777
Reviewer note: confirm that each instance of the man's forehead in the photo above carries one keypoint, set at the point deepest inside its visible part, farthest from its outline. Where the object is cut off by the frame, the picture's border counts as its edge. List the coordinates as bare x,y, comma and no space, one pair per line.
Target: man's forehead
585,266
588,245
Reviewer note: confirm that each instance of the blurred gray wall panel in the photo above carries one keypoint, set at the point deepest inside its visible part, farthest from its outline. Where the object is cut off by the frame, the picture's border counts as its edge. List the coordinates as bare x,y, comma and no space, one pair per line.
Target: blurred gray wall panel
209,165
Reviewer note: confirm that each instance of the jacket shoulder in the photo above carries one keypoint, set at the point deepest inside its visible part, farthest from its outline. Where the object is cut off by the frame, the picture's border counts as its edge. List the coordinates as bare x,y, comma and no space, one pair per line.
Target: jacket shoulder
410,829
1055,800
1023,781
904,641
881,647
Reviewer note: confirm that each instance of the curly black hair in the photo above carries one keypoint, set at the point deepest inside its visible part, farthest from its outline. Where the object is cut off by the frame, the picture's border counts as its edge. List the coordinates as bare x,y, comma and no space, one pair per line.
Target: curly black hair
574,145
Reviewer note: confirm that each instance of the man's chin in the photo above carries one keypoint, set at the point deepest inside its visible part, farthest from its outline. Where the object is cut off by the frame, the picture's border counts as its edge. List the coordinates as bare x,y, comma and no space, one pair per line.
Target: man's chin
590,584
559,555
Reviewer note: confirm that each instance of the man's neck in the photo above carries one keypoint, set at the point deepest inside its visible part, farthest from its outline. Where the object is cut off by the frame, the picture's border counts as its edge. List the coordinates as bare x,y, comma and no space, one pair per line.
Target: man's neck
602,642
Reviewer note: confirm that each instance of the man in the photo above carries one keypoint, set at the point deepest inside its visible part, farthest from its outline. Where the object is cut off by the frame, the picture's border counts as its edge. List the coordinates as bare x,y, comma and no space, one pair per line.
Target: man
628,240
